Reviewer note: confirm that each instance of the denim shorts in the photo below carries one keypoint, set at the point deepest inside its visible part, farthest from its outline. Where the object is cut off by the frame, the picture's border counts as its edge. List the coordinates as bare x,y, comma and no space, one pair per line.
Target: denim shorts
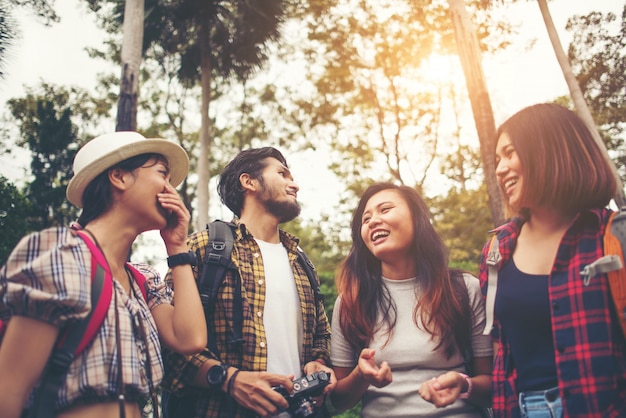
541,404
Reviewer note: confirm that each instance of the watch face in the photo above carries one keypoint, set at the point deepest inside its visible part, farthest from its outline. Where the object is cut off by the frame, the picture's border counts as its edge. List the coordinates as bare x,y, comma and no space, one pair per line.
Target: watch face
217,375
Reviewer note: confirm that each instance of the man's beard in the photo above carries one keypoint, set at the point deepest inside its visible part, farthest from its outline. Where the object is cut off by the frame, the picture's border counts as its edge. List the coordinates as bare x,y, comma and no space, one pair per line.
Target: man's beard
285,211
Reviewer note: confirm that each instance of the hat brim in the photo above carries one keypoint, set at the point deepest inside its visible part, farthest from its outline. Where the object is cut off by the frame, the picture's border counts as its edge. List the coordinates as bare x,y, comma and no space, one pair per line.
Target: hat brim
176,157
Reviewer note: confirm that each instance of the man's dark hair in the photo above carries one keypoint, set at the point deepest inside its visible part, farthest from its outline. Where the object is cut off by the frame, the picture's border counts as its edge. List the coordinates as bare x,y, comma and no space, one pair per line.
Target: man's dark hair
251,161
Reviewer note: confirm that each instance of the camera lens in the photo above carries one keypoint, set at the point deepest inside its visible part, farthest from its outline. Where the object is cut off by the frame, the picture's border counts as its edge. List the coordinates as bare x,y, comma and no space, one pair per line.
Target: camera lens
305,409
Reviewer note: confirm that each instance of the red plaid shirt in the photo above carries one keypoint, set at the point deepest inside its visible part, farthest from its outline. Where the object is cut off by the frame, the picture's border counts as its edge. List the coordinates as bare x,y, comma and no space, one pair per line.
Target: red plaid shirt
589,347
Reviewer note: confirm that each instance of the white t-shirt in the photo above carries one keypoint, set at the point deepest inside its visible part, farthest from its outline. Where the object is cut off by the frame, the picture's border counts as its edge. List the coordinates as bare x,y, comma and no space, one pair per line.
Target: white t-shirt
282,316
410,355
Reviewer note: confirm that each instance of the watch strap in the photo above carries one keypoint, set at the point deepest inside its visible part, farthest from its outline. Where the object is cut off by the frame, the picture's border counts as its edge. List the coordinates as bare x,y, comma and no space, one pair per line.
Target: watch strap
181,259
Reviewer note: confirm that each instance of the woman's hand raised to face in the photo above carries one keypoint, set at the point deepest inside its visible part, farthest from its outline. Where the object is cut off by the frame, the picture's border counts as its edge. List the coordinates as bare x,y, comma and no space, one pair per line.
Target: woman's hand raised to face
175,232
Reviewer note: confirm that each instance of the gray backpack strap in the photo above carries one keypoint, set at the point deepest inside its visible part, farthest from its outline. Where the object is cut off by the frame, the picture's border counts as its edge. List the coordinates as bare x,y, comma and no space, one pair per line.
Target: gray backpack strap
493,258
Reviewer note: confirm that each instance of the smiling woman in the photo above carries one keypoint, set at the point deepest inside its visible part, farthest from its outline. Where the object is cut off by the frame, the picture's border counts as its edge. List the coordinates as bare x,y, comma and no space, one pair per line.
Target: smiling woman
386,342
124,184
560,349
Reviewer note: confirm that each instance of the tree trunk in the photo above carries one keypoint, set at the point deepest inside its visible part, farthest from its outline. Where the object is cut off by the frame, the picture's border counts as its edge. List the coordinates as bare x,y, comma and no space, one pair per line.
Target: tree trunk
131,60
577,96
470,55
204,175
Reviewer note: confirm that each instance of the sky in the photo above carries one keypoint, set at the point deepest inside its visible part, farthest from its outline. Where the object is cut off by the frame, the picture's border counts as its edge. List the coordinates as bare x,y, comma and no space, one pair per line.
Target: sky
519,77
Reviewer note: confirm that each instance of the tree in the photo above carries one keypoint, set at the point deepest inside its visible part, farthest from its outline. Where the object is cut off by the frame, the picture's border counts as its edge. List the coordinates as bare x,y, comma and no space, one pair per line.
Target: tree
215,40
577,96
469,53
131,60
14,217
598,58
9,28
377,99
46,128
7,34
48,133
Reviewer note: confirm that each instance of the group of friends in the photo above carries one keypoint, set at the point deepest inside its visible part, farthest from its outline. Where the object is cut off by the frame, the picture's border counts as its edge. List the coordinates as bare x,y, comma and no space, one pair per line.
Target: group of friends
411,337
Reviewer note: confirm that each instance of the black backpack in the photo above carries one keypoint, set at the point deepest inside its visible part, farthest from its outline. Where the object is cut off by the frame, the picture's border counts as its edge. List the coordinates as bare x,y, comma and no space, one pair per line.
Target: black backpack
215,265
212,272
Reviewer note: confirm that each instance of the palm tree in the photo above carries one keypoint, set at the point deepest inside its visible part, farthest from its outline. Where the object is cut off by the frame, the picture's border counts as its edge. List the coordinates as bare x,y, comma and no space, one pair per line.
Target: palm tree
131,60
7,34
9,28
469,53
215,39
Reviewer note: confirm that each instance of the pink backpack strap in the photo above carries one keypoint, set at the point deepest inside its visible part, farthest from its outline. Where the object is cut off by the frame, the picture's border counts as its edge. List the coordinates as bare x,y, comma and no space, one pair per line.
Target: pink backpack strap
140,279
101,295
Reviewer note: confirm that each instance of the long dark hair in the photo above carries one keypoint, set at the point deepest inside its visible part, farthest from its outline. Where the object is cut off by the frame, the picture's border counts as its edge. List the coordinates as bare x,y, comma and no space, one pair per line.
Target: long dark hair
97,195
442,303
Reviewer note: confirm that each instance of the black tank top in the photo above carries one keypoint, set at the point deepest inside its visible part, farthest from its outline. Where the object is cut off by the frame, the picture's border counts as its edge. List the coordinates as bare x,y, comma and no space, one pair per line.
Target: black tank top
523,309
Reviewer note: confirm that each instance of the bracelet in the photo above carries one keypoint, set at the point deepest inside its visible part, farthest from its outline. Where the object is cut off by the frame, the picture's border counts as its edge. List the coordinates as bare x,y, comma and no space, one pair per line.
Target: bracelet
468,392
231,381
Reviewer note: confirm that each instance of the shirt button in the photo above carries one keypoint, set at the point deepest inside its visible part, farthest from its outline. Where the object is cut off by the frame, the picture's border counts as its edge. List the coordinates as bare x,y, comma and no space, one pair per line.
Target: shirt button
259,314
555,305
255,255
262,344
260,281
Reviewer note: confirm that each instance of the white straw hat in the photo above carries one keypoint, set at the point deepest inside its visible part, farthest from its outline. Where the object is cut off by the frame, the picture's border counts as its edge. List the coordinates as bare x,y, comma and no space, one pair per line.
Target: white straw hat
105,151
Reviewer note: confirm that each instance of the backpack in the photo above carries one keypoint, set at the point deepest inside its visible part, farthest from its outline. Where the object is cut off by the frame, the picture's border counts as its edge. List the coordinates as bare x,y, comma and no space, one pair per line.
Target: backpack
73,339
217,262
215,265
611,263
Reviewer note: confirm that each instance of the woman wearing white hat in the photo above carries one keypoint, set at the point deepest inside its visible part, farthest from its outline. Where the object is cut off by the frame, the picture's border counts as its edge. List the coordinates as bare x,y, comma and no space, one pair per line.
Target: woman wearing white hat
125,185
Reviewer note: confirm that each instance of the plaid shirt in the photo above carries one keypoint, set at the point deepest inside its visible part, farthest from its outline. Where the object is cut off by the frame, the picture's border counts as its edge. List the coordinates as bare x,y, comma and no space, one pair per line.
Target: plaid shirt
252,355
588,345
47,277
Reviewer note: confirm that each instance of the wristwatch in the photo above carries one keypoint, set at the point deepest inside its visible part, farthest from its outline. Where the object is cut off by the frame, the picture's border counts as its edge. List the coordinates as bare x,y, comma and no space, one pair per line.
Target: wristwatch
180,259
216,376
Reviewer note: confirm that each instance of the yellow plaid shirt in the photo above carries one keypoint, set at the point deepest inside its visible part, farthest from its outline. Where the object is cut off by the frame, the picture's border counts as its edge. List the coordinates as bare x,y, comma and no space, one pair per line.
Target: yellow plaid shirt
252,355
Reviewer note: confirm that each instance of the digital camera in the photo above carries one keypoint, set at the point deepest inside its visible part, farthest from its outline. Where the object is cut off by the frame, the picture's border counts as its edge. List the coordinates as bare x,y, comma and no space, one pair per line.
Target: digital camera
304,390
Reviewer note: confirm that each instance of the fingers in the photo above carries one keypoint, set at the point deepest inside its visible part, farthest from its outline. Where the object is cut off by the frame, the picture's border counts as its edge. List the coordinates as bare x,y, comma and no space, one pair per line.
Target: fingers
174,234
367,368
441,391
172,202
448,380
367,353
384,375
254,390
316,366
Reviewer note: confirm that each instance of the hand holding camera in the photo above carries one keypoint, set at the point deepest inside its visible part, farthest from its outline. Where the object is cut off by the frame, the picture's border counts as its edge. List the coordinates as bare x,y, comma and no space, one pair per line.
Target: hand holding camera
304,390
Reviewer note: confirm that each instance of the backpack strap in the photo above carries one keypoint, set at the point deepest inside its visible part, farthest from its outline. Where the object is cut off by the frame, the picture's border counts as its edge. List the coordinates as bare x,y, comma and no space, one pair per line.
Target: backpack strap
216,262
493,258
614,244
76,337
140,279
309,269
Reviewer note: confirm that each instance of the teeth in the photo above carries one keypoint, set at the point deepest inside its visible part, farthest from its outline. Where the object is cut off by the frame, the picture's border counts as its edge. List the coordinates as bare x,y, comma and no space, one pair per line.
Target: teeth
510,183
379,234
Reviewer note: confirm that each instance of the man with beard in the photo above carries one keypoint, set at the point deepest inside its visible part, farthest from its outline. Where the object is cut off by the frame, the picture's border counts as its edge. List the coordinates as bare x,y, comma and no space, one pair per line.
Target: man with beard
285,331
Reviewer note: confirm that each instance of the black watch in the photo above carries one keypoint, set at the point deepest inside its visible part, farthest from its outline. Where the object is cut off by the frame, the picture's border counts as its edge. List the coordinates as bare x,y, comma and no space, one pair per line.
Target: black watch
216,376
180,259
